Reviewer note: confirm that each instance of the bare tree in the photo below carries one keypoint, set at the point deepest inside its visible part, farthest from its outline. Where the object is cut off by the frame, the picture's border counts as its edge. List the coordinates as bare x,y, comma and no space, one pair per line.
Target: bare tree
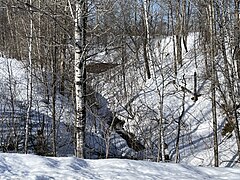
237,59
212,20
80,75
146,44
30,79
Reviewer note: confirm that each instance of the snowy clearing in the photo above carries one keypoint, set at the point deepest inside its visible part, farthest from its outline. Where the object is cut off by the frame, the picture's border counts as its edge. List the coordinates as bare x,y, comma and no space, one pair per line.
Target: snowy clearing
21,166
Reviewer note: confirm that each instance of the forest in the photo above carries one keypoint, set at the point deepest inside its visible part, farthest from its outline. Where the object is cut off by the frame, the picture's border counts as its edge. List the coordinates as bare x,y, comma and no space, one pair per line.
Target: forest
155,80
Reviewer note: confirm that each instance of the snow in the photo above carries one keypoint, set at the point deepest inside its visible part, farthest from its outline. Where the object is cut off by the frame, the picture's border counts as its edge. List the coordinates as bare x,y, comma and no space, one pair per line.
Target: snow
141,106
196,148
26,166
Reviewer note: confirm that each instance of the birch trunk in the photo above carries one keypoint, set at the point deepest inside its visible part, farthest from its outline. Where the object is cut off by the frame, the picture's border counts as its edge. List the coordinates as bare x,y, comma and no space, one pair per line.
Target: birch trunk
29,83
237,60
213,81
173,39
80,76
147,53
237,37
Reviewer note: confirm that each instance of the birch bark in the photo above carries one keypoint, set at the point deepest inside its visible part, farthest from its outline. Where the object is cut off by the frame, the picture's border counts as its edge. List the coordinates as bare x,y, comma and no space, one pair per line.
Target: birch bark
80,75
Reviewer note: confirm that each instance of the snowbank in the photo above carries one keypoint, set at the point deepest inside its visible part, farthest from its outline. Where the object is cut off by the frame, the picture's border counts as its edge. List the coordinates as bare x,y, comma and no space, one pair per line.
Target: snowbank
22,166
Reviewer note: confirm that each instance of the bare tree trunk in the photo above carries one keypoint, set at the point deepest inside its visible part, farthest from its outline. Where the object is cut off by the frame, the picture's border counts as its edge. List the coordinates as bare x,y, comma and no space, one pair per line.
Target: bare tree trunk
177,159
123,62
237,37
146,50
237,60
161,138
62,71
236,128
80,75
179,35
54,94
12,85
173,34
213,81
185,21
54,87
30,86
195,94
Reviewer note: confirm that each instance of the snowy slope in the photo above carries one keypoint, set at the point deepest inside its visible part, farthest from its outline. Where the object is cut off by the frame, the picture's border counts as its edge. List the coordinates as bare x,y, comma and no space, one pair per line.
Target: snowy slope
20,166
140,106
13,105
14,102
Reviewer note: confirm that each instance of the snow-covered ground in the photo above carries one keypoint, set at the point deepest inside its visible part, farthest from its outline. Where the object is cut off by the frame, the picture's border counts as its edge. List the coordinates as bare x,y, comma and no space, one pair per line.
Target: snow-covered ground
142,100
141,106
21,166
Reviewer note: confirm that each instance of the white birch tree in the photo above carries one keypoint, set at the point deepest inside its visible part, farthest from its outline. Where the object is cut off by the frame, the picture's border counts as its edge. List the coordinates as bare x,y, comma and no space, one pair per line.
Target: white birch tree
80,75
146,50
30,84
213,80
